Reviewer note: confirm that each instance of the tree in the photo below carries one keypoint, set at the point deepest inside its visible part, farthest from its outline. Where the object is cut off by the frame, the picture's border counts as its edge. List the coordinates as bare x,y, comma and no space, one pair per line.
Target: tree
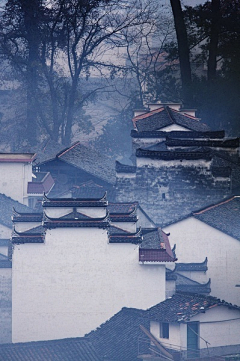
71,40
183,51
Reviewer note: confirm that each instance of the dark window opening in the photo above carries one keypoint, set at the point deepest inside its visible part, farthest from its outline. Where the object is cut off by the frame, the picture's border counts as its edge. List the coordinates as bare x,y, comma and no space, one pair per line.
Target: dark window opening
164,331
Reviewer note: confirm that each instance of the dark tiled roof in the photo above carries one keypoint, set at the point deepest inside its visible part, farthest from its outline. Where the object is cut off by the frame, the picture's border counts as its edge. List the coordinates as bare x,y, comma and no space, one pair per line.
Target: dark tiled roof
89,189
178,134
182,306
200,266
118,338
155,247
123,212
121,208
123,237
26,217
4,262
43,183
80,221
6,208
229,211
185,284
187,153
34,235
4,242
225,143
75,202
163,117
90,161
79,349
124,168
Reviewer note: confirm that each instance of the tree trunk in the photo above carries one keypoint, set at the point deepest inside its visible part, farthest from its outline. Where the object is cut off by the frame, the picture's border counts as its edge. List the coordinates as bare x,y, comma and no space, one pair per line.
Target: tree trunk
183,51
31,20
213,46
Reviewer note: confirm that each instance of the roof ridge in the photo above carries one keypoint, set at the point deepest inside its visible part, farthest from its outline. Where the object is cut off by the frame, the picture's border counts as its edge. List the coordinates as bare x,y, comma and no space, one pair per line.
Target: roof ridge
214,206
67,149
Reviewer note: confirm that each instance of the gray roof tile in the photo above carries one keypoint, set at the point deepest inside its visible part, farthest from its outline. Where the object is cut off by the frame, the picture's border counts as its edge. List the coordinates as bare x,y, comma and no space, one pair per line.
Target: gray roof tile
165,116
90,161
6,209
78,349
229,210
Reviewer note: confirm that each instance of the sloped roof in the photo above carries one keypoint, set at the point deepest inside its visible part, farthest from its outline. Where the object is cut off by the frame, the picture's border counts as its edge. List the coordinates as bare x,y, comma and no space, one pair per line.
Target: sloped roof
182,307
117,339
4,262
43,183
75,202
165,116
155,247
6,209
76,349
89,189
227,210
80,156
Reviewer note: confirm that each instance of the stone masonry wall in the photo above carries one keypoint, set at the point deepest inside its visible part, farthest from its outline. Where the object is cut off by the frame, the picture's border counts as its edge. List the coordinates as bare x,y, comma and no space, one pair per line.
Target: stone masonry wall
168,193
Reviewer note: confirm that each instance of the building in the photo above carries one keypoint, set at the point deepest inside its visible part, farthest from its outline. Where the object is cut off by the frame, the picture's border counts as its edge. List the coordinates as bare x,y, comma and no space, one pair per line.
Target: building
16,172
78,165
78,264
182,327
179,164
212,232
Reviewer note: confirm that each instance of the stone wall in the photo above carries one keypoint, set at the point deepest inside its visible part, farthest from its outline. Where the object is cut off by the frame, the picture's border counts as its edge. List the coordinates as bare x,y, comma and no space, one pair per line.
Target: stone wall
168,193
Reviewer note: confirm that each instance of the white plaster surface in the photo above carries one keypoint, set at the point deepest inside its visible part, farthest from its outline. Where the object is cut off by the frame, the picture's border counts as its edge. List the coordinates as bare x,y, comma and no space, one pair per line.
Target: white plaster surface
94,212
196,240
219,326
160,163
14,178
75,281
24,226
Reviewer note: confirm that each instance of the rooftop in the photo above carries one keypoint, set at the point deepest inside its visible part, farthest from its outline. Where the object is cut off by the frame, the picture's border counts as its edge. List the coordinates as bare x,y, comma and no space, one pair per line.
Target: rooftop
17,157
229,210
181,307
87,159
75,349
75,202
6,208
165,116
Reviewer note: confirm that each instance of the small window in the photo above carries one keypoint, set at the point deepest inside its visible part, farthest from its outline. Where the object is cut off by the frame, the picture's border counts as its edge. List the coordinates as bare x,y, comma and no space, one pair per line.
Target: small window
164,330
163,196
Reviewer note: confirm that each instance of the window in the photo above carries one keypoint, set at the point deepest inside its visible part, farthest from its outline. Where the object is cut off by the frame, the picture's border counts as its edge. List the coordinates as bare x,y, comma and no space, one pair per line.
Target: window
164,330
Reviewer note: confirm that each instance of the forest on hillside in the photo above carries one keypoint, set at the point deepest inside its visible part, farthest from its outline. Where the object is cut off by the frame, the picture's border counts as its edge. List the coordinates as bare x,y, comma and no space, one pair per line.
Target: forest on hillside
76,69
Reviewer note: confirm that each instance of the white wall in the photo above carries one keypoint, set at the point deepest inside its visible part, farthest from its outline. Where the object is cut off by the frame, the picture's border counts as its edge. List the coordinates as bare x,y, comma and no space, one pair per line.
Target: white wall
14,178
195,240
25,226
75,281
159,163
174,127
219,326
94,212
